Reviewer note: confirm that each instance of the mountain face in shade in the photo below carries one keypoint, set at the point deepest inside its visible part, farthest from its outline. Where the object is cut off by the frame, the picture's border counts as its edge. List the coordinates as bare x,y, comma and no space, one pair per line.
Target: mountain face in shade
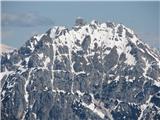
94,71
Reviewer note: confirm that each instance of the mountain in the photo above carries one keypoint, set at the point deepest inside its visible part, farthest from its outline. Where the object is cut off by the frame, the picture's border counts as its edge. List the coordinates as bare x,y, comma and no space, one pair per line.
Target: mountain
94,71
5,49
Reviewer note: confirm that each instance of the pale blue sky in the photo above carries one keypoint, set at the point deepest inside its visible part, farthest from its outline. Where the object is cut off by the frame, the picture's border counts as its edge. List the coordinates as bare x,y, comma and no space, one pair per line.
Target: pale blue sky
20,20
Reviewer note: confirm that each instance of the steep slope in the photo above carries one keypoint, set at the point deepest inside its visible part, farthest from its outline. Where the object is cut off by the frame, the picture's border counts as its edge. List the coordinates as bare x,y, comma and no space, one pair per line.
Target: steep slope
93,71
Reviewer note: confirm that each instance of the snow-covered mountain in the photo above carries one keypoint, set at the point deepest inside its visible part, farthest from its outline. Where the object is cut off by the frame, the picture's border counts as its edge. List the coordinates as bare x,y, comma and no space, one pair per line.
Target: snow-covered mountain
94,71
5,49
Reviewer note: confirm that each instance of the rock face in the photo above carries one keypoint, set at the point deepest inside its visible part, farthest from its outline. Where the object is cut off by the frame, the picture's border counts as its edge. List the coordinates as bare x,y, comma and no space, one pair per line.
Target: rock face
95,71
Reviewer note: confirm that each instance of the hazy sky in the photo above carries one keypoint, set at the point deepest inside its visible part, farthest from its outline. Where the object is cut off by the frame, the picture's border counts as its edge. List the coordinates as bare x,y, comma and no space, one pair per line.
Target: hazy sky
20,20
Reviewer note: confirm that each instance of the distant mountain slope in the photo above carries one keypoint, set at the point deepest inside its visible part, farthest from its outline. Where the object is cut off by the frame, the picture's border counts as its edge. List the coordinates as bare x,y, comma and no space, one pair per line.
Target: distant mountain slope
95,71
5,49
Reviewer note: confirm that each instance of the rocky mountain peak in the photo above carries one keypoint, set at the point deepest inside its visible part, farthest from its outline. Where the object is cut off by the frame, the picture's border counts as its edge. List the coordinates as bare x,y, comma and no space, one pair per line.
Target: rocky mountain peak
94,71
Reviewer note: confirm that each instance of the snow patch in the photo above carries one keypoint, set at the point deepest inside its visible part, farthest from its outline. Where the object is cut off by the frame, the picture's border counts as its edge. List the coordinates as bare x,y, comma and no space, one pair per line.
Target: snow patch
95,110
147,65
10,85
157,83
47,61
53,32
80,93
130,59
41,55
38,37
34,114
26,93
2,74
